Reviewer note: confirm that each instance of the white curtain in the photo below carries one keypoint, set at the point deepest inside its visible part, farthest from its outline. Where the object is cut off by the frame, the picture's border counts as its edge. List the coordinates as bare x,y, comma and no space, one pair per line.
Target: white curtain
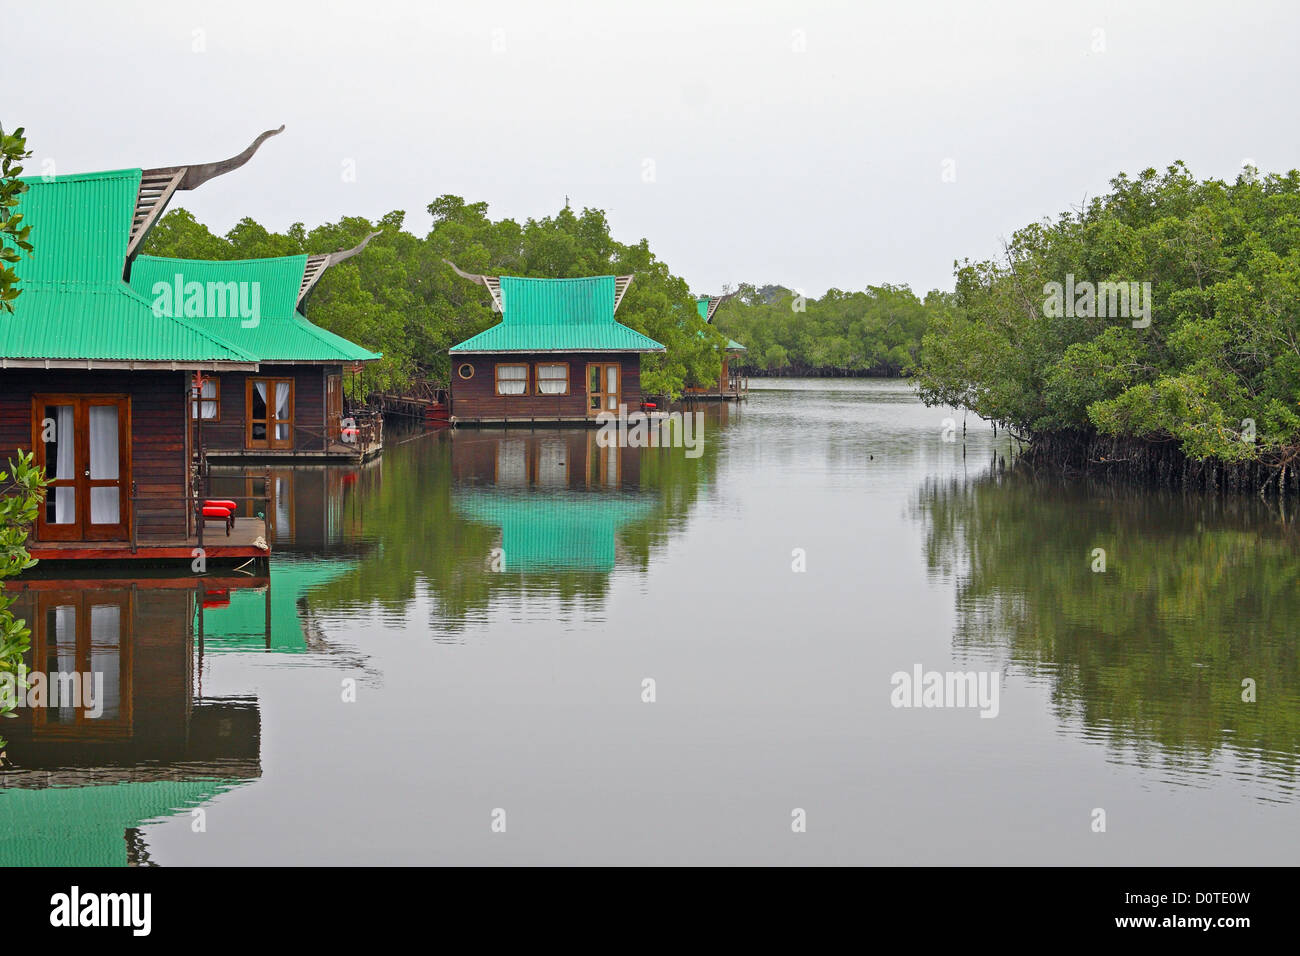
512,379
104,502
552,379
65,499
282,410
207,408
611,387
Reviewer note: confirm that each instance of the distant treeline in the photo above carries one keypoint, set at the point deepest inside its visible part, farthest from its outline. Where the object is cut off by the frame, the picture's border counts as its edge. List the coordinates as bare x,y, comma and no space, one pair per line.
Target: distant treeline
1214,375
874,332
399,297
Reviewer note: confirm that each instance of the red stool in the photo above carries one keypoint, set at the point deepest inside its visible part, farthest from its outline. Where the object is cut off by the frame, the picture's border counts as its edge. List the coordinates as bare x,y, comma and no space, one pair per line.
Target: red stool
225,510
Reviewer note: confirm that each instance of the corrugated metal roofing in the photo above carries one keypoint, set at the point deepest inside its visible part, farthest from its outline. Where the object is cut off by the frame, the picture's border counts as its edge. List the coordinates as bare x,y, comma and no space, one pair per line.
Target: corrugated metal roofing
702,306
73,304
282,333
558,315
107,324
80,226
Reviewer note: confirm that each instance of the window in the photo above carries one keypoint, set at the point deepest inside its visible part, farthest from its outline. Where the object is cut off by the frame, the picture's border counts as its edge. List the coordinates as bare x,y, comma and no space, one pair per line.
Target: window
553,379
465,371
270,413
512,379
208,405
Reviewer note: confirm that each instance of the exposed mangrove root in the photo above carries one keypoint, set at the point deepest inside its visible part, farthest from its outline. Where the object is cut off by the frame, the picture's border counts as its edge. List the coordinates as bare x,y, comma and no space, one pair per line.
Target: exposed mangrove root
1158,463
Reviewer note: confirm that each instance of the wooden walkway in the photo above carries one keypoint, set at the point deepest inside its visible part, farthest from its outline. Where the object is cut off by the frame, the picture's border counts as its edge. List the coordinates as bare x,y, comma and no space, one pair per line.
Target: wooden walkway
246,540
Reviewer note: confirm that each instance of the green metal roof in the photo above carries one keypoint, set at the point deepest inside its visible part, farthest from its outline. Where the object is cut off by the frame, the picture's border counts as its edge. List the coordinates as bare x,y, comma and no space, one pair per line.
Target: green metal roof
558,315
702,306
282,333
74,305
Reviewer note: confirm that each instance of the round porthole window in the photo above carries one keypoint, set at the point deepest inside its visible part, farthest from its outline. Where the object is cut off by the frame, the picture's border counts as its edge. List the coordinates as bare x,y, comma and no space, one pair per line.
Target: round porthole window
466,371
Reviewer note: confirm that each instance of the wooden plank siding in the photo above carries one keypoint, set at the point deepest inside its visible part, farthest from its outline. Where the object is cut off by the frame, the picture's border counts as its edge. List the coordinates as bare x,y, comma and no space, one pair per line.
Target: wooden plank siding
159,456
230,433
475,398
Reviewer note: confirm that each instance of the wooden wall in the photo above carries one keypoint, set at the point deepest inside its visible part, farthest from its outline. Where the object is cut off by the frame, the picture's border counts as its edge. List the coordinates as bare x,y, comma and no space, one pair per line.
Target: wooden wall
158,453
476,398
229,433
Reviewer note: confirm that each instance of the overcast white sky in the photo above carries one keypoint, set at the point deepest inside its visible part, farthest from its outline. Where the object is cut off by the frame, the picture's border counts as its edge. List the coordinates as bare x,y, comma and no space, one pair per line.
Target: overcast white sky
800,143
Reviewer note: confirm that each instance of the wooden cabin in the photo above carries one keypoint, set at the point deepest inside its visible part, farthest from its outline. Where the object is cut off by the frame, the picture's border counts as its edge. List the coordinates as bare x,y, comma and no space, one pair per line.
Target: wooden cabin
292,406
557,355
733,383
95,381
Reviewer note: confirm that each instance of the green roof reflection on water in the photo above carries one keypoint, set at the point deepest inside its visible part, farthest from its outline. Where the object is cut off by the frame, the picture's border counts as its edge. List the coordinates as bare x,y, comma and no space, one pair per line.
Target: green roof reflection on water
545,532
241,625
86,826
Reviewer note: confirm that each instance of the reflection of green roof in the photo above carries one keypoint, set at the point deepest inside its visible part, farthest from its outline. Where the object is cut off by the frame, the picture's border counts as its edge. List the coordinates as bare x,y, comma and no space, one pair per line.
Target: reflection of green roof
282,333
550,532
242,625
85,826
558,315
74,304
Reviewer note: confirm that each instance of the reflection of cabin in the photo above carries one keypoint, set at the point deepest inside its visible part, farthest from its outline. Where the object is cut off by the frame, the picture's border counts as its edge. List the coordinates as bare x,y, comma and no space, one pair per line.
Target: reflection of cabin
553,459
733,383
95,379
293,405
556,355
81,779
309,509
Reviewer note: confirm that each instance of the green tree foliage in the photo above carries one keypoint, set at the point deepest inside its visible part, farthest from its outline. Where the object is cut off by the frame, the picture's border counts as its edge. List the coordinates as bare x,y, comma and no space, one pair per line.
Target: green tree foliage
23,493
399,297
1219,360
13,234
874,332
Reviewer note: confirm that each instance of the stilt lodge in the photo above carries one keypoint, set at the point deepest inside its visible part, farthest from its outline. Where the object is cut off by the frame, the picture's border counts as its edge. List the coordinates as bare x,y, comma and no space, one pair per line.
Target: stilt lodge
557,355
292,407
732,384
96,382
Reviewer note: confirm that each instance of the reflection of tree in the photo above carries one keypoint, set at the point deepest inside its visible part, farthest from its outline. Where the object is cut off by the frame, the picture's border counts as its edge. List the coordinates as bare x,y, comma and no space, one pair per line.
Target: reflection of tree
424,539
1196,596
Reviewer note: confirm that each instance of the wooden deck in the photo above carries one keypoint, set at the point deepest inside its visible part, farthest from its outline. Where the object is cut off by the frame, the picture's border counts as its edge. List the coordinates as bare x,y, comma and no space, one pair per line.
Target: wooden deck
241,544
335,451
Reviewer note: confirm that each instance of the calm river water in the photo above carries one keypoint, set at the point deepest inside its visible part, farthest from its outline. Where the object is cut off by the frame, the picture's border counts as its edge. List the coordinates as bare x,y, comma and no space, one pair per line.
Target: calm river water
450,664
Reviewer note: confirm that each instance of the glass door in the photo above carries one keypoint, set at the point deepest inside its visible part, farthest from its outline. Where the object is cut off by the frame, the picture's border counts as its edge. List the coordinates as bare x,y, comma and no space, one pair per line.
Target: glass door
604,388
270,413
82,442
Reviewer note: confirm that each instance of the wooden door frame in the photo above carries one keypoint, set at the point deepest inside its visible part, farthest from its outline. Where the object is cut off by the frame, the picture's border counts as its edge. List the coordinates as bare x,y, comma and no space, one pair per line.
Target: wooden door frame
592,413
333,423
81,402
270,441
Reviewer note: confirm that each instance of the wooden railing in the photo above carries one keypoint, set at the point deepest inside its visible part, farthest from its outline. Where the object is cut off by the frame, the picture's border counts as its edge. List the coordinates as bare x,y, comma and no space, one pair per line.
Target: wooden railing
191,506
